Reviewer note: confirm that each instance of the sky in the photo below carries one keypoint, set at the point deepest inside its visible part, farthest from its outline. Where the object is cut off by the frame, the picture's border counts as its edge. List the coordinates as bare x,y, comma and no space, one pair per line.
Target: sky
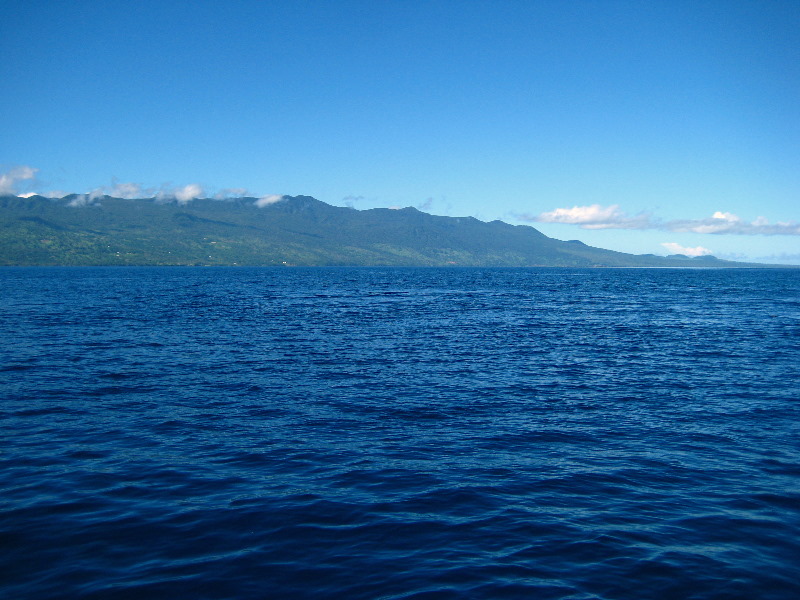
644,127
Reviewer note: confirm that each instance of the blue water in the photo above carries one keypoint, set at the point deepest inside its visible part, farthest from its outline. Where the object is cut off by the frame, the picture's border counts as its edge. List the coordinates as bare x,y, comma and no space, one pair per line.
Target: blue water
399,433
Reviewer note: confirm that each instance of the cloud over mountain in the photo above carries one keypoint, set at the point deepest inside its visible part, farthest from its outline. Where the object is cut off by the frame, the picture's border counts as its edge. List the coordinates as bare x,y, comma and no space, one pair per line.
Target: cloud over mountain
9,180
128,191
267,200
166,193
182,195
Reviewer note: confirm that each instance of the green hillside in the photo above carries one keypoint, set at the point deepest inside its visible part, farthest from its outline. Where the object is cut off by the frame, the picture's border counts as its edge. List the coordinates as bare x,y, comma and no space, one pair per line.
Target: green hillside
295,231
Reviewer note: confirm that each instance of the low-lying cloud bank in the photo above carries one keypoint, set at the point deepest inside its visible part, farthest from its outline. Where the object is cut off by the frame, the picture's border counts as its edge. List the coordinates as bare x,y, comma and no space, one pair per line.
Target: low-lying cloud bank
182,195
596,216
134,191
24,177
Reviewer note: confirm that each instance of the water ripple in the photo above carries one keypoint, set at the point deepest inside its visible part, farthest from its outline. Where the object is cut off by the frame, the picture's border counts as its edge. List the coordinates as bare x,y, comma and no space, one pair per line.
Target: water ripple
400,433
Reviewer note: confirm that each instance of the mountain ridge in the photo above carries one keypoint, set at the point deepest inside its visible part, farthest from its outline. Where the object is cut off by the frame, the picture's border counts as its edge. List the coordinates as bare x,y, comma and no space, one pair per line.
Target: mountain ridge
295,230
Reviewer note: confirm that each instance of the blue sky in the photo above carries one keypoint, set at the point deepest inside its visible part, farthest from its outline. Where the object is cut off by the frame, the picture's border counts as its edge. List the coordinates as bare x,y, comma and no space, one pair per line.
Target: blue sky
627,125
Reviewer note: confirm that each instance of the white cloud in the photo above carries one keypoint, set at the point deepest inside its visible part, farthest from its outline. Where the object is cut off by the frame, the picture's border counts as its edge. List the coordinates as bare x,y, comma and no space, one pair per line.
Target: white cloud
579,214
9,180
267,200
678,249
188,193
596,216
181,195
593,216
90,199
79,201
128,191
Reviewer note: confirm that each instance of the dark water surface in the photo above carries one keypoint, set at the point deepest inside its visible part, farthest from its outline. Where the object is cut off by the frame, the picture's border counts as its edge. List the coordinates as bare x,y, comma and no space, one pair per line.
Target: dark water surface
399,433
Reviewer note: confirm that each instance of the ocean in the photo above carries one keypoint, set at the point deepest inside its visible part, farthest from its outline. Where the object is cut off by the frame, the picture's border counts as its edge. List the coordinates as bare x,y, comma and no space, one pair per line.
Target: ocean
392,433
